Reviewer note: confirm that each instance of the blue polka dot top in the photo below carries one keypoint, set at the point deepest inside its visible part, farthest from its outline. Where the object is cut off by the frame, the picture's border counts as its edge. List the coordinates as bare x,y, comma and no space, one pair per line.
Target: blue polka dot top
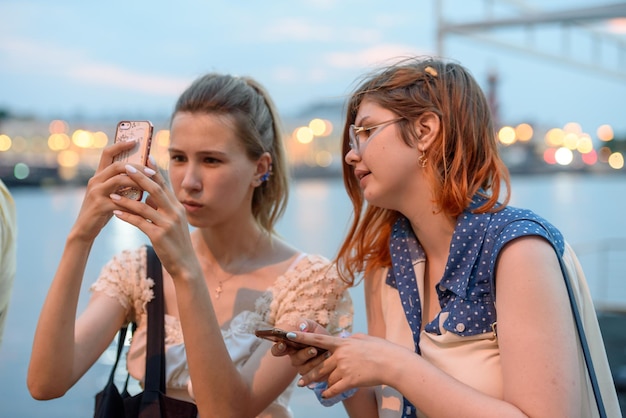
467,288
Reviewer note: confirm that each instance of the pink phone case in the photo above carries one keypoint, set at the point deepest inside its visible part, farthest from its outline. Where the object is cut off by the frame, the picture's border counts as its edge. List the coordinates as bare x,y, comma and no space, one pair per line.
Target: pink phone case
140,131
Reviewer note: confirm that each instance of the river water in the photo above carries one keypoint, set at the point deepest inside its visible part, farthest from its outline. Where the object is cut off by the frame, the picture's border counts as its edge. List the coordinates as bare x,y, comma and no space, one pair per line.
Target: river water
588,209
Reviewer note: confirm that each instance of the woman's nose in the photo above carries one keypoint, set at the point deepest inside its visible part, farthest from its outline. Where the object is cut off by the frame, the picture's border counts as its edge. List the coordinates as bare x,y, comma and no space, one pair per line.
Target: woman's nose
352,157
191,181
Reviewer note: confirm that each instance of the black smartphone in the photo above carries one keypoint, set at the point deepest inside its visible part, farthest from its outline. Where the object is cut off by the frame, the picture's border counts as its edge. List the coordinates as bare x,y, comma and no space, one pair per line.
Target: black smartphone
278,335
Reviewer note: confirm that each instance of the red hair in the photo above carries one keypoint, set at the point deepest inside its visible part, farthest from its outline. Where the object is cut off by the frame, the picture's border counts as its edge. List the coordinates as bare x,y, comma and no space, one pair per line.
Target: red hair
462,161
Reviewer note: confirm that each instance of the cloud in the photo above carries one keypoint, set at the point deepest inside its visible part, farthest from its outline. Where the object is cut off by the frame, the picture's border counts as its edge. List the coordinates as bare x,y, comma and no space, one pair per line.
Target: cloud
45,59
322,4
26,55
115,76
371,56
294,29
332,65
291,30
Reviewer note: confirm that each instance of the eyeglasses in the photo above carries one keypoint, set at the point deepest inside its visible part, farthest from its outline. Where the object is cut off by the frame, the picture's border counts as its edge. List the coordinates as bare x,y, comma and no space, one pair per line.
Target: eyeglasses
360,136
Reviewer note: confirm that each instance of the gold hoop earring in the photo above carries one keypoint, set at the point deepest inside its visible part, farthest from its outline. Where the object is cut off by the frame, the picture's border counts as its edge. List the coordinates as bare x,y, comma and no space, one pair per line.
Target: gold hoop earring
422,160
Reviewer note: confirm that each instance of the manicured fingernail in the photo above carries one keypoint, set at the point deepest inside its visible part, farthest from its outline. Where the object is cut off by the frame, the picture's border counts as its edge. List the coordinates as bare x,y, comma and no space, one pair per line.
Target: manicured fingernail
327,354
302,326
152,160
130,168
118,213
301,382
291,335
115,196
281,346
149,171
312,351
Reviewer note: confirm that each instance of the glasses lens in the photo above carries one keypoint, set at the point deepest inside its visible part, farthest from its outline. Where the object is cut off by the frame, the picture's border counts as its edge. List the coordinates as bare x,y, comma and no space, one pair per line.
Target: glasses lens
354,140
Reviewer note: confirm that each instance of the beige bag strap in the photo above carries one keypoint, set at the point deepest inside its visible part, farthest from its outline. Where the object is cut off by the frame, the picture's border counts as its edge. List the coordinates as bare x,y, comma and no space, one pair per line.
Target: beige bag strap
592,344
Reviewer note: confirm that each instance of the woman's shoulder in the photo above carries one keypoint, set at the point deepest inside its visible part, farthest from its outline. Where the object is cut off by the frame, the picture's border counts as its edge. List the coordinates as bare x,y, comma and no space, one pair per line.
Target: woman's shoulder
511,223
312,275
124,278
312,288
313,266
128,262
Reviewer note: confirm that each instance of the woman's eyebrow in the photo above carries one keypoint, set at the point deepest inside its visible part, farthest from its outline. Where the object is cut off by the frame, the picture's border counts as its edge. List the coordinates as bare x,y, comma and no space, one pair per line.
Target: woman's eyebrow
361,120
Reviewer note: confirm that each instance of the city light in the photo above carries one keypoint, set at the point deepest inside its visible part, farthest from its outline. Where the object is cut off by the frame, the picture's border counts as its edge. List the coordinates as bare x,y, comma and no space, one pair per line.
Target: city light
524,132
616,161
590,158
304,135
324,158
506,135
554,137
58,127
564,156
21,171
160,146
56,150
605,133
5,143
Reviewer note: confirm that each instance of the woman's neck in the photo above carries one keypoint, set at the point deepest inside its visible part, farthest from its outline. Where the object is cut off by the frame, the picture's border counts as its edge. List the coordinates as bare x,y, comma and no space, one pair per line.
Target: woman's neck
227,246
434,232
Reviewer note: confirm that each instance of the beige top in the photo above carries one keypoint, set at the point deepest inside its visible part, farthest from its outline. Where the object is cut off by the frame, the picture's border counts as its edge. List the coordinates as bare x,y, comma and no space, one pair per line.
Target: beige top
309,288
8,251
475,360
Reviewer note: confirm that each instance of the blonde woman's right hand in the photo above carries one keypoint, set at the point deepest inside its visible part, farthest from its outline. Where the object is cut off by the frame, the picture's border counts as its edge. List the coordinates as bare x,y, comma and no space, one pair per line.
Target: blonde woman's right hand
97,208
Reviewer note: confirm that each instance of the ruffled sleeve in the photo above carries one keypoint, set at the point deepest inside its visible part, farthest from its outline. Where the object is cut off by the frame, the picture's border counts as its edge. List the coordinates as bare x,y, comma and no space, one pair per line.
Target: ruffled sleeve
124,278
312,289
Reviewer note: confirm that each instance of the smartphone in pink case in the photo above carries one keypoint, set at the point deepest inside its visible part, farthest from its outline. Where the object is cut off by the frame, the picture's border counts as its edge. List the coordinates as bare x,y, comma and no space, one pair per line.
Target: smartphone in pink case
141,132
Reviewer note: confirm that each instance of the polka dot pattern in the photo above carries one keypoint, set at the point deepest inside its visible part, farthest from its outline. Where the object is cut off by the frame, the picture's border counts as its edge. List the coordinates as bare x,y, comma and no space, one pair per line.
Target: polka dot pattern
467,289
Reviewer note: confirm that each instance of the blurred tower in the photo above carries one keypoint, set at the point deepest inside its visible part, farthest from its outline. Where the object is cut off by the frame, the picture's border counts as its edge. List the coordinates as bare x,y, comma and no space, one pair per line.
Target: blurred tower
492,97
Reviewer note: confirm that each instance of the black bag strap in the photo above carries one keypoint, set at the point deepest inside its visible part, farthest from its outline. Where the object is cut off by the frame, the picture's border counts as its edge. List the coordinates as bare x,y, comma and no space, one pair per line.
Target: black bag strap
120,345
155,351
125,393
583,341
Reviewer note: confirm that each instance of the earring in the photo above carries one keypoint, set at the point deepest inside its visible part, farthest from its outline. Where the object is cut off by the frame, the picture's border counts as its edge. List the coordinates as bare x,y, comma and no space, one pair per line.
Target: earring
266,176
422,160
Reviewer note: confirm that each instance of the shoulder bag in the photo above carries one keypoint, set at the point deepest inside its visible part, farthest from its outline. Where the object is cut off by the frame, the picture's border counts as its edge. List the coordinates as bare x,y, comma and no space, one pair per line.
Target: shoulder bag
152,402
599,382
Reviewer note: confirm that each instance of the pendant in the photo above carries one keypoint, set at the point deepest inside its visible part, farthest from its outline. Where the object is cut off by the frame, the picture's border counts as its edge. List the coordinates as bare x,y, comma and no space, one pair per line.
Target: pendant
218,290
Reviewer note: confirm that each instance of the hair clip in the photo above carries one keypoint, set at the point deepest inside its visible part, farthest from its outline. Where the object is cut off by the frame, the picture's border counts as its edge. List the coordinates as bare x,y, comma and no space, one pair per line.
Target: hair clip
430,70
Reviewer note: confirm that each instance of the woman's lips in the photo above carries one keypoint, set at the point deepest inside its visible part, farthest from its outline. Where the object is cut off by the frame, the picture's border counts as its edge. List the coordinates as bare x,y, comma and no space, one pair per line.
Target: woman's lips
191,206
361,174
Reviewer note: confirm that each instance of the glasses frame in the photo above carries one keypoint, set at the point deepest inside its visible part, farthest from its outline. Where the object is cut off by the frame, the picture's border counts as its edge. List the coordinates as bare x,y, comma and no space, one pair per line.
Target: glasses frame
358,146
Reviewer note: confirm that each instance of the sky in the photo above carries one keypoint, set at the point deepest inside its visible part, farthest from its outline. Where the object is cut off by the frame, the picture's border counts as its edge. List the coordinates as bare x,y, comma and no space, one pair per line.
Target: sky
68,58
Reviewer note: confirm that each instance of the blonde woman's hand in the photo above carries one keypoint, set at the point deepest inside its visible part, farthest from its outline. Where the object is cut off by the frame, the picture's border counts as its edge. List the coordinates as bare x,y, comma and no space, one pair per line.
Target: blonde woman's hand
162,218
97,207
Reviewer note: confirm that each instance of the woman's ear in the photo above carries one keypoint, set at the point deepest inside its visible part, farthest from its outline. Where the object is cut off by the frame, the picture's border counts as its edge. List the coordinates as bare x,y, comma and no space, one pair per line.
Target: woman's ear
427,127
263,169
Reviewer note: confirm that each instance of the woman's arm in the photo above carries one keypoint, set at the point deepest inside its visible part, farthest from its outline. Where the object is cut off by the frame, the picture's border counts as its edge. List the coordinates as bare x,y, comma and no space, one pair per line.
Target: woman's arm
537,342
536,331
63,348
363,403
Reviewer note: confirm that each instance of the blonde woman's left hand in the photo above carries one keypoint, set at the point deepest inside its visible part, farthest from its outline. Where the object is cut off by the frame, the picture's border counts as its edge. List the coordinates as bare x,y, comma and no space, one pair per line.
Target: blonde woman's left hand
162,218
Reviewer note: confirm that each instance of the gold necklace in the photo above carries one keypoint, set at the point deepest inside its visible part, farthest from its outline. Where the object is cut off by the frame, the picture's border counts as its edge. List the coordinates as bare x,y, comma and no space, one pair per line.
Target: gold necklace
219,289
